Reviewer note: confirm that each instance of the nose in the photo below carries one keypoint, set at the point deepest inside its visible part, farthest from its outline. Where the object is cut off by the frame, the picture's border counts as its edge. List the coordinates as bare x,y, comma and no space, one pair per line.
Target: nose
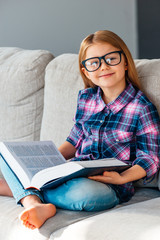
104,65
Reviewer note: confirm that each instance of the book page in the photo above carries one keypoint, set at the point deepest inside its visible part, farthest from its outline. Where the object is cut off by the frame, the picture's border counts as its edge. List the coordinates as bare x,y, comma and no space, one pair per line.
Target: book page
35,156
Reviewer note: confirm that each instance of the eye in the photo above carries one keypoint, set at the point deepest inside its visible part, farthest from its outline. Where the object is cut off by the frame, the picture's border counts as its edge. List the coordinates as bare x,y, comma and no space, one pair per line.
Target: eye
95,63
113,58
108,60
92,63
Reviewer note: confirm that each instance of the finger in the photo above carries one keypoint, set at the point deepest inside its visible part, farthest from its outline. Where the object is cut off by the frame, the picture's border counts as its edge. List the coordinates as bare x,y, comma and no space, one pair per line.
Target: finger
96,177
108,174
100,178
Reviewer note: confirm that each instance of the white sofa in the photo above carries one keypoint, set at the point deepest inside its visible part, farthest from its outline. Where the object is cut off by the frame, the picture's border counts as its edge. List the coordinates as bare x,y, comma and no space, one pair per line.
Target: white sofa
38,96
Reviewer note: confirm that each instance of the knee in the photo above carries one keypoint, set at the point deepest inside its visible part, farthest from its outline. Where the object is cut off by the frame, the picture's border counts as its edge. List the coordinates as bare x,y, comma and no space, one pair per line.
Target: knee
68,193
82,194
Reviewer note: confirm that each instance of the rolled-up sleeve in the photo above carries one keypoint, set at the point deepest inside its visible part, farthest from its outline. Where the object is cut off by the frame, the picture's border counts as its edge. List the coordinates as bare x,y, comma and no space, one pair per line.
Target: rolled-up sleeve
76,133
147,141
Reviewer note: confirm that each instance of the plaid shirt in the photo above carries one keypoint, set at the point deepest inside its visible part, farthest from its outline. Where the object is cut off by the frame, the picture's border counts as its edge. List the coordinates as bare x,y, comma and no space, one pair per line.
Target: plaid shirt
126,128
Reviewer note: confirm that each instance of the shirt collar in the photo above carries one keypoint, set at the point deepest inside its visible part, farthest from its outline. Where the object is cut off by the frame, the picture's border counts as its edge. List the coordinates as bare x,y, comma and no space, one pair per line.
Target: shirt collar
120,102
100,103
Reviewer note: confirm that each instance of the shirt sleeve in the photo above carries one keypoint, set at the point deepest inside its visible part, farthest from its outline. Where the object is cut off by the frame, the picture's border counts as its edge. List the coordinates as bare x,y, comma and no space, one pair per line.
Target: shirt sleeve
147,139
76,133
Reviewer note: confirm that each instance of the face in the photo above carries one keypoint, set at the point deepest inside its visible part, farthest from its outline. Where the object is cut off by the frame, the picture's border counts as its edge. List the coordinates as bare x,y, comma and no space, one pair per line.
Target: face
107,77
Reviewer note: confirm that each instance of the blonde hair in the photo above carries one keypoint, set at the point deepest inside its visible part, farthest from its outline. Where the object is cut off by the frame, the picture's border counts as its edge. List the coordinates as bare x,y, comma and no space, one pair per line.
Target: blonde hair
106,36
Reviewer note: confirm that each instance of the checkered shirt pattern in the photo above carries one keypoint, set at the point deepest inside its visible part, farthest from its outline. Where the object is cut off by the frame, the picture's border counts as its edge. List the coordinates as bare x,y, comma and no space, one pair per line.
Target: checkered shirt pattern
127,129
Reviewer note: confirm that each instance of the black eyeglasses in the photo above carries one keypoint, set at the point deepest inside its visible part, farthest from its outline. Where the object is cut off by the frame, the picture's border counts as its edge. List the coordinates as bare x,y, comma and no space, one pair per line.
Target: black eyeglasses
111,59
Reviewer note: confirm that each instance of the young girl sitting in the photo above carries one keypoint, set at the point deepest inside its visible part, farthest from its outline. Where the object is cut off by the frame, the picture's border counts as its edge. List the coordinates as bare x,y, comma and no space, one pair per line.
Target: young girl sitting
113,119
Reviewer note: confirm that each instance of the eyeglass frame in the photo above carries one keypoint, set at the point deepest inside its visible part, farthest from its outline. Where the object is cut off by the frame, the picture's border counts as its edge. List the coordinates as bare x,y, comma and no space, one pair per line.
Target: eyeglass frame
100,58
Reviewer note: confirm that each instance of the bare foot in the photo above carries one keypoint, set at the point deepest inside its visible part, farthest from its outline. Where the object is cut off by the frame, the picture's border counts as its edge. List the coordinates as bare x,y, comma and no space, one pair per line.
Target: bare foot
35,216
4,188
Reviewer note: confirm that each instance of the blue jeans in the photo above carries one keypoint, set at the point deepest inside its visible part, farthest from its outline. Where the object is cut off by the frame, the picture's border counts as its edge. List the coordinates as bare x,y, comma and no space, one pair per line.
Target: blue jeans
76,194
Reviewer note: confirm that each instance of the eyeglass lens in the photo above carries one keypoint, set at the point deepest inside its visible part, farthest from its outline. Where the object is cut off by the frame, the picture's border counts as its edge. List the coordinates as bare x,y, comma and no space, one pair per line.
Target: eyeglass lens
111,59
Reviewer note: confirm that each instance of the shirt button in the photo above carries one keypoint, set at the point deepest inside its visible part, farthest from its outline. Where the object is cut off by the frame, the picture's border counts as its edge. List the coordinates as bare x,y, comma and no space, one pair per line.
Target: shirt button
108,111
95,139
101,121
117,140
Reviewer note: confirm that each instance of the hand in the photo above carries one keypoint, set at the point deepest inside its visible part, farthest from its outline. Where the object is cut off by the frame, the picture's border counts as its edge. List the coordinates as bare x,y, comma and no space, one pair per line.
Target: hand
132,174
109,177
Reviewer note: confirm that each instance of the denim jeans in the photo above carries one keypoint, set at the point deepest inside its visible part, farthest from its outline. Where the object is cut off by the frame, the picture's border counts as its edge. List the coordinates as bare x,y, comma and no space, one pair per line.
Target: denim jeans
76,194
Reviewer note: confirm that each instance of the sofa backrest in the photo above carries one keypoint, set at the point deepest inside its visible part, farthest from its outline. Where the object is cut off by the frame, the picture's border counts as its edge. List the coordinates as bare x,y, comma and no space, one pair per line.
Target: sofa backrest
62,83
21,93
149,75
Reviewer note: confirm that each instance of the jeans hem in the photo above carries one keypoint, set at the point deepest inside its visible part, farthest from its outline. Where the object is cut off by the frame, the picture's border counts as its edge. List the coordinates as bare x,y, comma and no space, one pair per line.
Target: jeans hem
27,193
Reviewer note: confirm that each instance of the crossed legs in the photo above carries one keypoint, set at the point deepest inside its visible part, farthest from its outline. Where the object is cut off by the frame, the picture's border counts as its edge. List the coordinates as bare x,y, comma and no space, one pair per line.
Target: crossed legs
76,194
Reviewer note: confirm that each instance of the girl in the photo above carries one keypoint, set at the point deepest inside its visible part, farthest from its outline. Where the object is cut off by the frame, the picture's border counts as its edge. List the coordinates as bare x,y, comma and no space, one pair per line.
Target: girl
113,119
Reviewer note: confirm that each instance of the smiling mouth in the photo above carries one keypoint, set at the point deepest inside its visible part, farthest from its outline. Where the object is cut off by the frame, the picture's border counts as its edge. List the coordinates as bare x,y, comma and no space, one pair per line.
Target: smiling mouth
106,75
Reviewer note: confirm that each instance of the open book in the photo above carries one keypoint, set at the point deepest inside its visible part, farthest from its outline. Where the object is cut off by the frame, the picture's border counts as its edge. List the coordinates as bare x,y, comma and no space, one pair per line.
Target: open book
40,164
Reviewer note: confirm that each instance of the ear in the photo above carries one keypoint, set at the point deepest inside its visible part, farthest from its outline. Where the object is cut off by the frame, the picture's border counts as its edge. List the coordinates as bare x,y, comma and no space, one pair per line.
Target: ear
126,66
86,73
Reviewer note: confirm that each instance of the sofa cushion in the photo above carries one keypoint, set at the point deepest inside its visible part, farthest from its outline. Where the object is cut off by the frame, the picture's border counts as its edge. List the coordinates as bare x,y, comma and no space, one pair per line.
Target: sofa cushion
138,221
21,92
62,83
149,75
10,223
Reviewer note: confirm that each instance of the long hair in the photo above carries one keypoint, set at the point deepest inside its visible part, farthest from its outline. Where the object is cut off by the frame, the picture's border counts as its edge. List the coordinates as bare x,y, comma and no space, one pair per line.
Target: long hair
106,36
